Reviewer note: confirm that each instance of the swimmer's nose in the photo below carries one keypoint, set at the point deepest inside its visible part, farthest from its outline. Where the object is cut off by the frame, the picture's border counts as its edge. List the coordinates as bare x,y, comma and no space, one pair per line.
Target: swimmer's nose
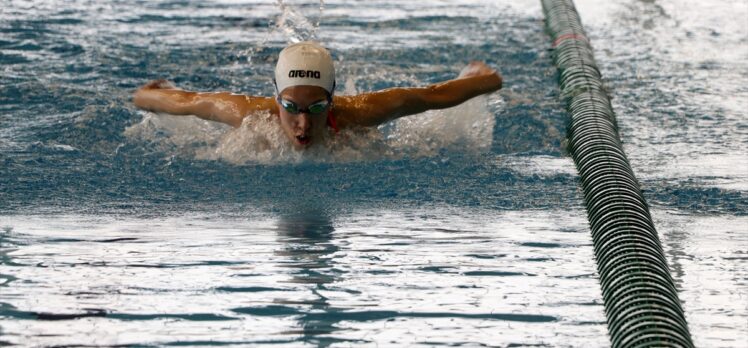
303,121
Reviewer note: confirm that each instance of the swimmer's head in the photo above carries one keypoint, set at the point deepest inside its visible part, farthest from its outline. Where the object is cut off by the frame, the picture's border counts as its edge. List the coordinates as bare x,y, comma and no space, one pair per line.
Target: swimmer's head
304,85
305,64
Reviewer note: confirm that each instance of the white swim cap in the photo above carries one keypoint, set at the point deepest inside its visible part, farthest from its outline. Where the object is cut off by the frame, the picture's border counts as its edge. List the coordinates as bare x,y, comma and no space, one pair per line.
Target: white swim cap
305,64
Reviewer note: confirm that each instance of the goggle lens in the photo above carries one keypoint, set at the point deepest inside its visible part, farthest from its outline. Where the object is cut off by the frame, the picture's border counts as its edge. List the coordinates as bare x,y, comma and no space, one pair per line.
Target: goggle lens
316,108
289,106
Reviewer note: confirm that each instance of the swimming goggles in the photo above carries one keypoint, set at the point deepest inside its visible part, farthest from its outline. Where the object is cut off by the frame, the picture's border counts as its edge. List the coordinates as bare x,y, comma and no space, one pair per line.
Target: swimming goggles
316,108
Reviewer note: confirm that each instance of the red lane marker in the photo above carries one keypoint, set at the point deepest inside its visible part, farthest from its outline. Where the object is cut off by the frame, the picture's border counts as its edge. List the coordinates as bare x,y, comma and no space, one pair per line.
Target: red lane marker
569,37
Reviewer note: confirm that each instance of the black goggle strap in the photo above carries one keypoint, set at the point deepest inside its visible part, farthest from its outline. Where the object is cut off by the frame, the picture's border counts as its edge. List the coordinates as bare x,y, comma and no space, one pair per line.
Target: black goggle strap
278,97
329,94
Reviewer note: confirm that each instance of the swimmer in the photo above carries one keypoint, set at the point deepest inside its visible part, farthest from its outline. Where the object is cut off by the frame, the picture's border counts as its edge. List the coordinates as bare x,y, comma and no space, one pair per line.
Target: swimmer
304,98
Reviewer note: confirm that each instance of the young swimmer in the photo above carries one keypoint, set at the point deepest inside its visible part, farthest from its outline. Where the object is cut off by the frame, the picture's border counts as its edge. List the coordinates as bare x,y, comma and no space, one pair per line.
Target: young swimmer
305,102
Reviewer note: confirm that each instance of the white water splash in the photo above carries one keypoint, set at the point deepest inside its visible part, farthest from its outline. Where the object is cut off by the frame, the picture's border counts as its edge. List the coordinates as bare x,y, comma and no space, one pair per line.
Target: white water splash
465,128
292,24
179,134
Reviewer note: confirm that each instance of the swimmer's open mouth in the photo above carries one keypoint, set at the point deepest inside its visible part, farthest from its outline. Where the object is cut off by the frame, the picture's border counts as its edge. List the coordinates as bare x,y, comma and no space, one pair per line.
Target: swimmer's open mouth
303,139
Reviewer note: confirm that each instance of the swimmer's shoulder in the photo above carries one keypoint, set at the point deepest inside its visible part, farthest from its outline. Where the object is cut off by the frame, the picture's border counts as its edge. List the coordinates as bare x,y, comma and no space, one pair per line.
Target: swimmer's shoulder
233,108
350,110
368,109
239,102
250,104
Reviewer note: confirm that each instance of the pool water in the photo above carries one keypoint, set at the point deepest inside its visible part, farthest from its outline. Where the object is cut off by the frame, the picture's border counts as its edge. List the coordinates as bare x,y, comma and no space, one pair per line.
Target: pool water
457,227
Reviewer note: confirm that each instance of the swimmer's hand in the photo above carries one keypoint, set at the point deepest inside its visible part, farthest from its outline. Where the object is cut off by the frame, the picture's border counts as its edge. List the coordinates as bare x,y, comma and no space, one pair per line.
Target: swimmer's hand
148,96
476,68
160,96
158,84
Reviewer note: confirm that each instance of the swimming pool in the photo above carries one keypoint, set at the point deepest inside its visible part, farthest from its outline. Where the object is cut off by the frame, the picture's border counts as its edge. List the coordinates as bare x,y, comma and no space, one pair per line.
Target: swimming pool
457,227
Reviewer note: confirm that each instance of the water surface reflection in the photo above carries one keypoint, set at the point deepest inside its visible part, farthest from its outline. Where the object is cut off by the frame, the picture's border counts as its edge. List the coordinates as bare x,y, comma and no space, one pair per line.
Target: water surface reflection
309,251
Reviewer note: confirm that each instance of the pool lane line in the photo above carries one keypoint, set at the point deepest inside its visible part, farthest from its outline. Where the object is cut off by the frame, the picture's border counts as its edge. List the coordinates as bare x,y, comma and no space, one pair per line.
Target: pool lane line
641,301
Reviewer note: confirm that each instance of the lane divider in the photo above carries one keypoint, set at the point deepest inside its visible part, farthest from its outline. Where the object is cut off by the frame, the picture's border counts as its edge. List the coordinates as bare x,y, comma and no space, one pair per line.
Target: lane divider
641,301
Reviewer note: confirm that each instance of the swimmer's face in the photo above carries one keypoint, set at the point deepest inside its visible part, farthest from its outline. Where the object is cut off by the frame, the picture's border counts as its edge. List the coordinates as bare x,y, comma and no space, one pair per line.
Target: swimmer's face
300,127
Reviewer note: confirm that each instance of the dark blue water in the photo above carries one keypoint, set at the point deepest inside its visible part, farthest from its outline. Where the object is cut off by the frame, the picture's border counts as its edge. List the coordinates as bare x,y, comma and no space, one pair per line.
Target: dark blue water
437,222
65,113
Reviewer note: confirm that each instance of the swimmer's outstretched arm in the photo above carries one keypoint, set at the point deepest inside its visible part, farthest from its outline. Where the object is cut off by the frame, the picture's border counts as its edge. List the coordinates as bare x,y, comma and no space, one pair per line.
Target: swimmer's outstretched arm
224,107
372,109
